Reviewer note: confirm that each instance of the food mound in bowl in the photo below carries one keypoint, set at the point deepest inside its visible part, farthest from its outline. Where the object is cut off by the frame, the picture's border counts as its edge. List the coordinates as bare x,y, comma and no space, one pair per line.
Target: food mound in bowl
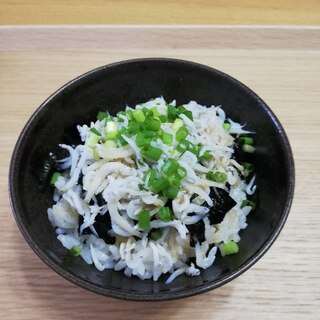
154,190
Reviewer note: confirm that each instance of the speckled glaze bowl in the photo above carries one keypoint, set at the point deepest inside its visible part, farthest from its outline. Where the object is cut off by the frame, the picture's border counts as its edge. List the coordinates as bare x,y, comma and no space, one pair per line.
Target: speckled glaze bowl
128,83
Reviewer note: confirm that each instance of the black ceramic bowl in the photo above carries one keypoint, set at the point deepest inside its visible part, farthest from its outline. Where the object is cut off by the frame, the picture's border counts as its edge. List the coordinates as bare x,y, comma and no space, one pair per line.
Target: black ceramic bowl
128,83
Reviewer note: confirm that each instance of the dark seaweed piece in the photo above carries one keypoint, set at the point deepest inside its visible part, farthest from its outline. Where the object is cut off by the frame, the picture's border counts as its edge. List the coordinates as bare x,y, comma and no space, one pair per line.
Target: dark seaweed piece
100,200
46,171
196,231
86,230
240,156
80,179
191,260
102,225
222,203
103,232
169,203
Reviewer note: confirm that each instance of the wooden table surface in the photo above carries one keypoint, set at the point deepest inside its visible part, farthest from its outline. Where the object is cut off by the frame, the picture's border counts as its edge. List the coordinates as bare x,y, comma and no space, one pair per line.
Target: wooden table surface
290,12
281,64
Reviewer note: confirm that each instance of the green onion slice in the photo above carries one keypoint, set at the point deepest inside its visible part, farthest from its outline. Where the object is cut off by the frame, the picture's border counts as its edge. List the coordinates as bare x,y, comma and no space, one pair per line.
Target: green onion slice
75,251
151,153
182,133
171,192
217,176
246,203
111,130
139,115
170,166
102,115
245,140
95,131
156,234
54,178
144,219
229,248
226,126
165,214
248,148
167,138
159,184
153,124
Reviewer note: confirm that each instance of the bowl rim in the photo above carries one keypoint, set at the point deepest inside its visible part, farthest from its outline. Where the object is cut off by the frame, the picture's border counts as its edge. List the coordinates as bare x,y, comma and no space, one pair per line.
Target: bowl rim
152,296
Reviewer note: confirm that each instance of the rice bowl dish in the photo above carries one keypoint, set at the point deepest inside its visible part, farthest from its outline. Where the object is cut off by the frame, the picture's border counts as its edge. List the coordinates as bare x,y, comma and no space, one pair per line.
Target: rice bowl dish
156,189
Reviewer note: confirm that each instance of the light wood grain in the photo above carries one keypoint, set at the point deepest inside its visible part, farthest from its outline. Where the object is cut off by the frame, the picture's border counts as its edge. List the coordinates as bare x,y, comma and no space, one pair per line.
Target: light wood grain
156,37
284,284
292,12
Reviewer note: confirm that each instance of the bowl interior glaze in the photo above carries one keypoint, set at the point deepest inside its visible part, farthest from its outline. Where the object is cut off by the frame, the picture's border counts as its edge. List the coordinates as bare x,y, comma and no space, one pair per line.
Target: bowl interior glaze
127,83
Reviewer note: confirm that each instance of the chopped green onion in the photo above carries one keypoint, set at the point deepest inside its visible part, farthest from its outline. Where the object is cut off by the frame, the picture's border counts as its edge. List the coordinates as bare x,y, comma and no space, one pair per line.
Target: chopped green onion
247,168
155,111
183,110
217,176
110,144
156,234
172,113
188,114
133,127
54,178
207,155
75,251
151,153
122,131
159,184
167,138
129,114
226,126
95,154
229,248
143,126
101,115
153,124
144,219
248,203
181,172
93,140
95,131
111,130
245,140
181,133
183,146
178,123
138,115
147,112
163,118
170,166
143,139
248,148
149,176
123,113
165,214
194,149
171,192
174,180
